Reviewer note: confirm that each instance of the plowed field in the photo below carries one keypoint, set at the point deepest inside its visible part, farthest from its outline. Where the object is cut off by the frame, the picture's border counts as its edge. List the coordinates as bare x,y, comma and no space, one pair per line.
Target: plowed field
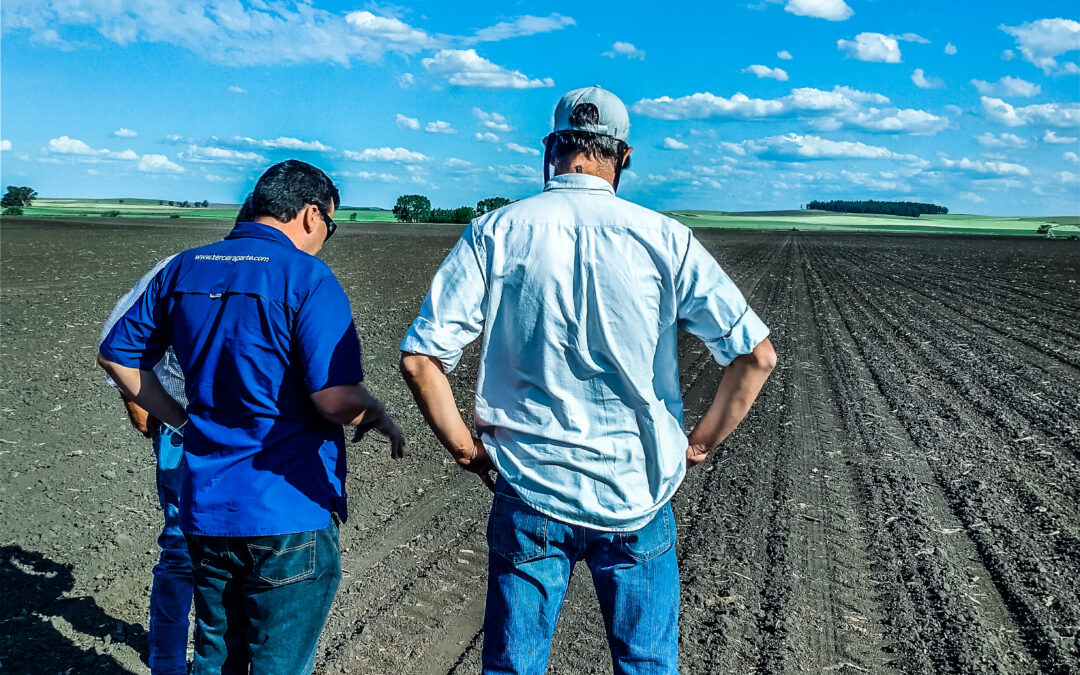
905,497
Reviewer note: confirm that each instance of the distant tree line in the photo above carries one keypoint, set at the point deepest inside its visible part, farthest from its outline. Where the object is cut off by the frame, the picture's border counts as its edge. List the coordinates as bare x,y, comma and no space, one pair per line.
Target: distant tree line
910,209
417,209
184,205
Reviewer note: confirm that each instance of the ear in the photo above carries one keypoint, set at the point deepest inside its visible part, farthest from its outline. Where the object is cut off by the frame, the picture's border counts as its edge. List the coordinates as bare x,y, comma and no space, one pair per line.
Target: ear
626,158
311,215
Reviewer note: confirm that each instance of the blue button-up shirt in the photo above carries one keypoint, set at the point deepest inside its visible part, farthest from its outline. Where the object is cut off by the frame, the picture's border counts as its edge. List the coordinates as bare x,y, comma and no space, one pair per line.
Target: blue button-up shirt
580,297
257,326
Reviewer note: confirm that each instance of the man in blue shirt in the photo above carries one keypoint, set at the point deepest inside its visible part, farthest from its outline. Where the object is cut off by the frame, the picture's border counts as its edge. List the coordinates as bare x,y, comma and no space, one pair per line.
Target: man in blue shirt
264,335
171,592
581,296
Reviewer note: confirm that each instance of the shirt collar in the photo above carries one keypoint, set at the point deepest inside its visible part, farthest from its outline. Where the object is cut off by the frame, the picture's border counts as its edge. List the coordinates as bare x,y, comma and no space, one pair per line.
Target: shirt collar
259,231
579,181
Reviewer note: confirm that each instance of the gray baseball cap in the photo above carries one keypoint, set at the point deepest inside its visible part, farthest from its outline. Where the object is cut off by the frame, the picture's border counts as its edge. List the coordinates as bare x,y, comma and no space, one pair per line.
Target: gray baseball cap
613,119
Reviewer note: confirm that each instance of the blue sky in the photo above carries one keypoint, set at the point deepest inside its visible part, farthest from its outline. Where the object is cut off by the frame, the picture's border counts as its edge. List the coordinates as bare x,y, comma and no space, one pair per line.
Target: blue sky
749,105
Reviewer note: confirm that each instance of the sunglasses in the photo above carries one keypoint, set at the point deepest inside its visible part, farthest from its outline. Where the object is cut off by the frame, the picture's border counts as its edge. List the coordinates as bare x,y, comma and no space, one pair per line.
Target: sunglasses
331,226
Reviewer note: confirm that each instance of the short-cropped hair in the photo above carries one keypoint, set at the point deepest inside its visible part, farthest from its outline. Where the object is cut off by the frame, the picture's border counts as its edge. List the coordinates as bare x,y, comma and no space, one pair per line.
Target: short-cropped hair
597,147
287,186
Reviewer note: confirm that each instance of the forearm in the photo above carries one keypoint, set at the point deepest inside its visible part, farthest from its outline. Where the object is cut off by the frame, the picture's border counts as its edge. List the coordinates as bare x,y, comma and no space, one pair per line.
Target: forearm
145,390
347,404
738,389
431,389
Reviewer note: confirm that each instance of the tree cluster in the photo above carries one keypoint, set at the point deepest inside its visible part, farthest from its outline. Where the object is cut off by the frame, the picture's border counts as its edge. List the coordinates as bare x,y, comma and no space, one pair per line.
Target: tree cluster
910,209
417,209
18,197
204,204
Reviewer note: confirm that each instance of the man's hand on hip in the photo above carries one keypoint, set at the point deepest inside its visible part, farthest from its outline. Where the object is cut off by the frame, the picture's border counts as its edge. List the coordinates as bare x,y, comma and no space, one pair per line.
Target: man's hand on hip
478,462
141,421
696,454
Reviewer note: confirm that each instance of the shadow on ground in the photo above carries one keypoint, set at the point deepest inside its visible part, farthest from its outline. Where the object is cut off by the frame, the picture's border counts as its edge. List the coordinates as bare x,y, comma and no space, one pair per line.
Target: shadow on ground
35,602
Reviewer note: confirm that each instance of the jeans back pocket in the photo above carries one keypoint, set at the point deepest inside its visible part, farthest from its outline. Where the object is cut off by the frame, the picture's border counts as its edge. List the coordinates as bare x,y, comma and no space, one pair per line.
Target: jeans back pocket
650,541
284,558
516,531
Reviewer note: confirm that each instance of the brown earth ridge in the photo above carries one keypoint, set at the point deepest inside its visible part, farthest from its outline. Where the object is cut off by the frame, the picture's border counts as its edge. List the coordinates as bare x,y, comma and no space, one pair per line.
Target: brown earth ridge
903,498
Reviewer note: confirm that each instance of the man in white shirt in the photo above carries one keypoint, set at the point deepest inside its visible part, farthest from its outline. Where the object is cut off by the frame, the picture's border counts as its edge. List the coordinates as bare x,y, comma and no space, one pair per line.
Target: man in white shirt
580,297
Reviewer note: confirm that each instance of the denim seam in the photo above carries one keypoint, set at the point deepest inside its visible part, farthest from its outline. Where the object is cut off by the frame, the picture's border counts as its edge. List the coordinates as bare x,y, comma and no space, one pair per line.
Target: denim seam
296,577
644,556
522,557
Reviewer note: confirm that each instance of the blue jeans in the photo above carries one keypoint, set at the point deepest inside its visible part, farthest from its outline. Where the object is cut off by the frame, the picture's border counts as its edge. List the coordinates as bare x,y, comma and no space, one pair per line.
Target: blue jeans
170,595
261,602
530,559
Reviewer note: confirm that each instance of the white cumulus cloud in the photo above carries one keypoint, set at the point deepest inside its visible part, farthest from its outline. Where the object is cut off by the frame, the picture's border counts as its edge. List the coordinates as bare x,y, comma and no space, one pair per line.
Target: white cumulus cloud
984,168
833,10
673,144
989,140
218,155
407,122
124,133
520,27
372,176
1061,115
910,37
840,107
406,80
65,145
1071,157
492,120
466,68
158,164
515,173
895,120
1007,86
279,143
486,137
766,72
1041,42
522,150
784,55
237,90
227,32
439,127
950,48
803,100
625,49
923,82
387,29
872,47
796,147
398,155
73,147
1051,137
5,145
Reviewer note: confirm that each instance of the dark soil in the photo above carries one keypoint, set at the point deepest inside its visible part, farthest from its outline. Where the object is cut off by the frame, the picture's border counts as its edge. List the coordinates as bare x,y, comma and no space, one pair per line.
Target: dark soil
905,497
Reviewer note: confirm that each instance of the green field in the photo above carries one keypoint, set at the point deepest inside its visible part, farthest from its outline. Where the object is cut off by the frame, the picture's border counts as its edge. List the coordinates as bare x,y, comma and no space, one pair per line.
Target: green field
150,208
811,221
825,221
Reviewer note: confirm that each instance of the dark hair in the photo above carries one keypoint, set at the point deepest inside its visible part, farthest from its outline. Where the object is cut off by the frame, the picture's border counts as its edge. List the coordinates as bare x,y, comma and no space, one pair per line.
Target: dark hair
287,186
568,143
246,214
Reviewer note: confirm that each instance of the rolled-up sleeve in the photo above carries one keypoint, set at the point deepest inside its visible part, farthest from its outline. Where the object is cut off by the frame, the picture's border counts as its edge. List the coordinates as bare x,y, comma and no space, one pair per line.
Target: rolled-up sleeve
712,307
452,315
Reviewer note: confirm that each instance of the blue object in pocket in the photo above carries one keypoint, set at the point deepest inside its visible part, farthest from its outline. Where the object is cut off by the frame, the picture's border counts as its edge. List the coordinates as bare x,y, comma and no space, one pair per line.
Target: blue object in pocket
170,447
